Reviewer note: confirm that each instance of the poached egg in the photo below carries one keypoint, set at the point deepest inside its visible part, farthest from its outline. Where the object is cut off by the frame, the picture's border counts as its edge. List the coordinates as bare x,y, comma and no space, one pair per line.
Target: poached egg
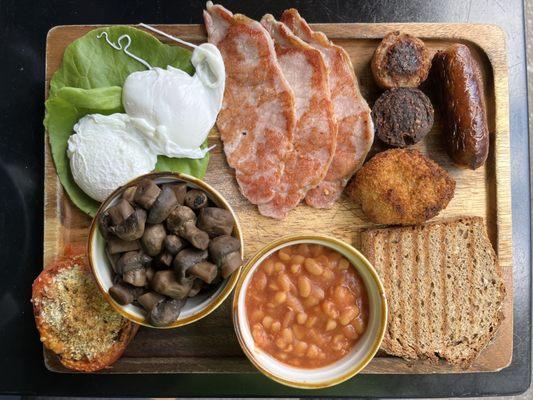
181,108
108,151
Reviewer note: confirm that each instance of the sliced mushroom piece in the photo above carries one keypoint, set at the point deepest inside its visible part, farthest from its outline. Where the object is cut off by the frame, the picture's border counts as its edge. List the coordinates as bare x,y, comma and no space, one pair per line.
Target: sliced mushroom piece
197,286
196,199
135,277
153,238
222,245
132,228
186,259
189,257
173,244
204,270
178,216
120,294
149,300
124,294
162,206
218,280
163,260
128,261
182,221
215,221
195,236
166,312
180,190
105,225
230,264
113,259
129,194
116,245
150,272
225,252
132,260
137,291
165,282
146,193
117,278
120,212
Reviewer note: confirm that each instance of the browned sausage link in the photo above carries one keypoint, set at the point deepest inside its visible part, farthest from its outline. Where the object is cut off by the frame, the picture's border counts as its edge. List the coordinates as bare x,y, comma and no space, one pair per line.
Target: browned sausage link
462,104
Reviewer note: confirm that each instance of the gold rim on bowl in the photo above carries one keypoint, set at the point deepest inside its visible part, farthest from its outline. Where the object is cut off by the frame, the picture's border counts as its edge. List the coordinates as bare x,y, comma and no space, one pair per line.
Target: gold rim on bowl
217,198
329,242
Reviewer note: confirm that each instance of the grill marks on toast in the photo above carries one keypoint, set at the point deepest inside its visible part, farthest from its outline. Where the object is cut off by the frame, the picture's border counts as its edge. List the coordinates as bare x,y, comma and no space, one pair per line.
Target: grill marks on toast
453,276
406,279
444,288
477,278
443,310
417,309
427,297
470,278
385,260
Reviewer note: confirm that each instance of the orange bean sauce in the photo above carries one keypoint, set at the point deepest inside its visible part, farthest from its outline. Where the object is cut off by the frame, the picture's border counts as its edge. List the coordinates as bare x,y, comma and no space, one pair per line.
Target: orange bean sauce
306,306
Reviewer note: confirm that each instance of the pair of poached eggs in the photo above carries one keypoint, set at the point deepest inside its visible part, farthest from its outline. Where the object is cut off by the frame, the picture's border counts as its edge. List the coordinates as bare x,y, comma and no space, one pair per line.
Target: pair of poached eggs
168,112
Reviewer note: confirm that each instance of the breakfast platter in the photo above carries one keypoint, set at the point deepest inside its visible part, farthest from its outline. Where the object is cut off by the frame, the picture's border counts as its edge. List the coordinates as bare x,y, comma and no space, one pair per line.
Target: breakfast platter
210,344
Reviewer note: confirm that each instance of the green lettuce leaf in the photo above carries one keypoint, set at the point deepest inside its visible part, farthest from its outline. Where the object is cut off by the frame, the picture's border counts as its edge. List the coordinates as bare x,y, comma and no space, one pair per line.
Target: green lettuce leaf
90,63
62,112
89,82
194,167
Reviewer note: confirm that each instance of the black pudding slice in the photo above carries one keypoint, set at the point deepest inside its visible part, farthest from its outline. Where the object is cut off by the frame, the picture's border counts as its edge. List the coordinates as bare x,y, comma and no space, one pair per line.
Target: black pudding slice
402,116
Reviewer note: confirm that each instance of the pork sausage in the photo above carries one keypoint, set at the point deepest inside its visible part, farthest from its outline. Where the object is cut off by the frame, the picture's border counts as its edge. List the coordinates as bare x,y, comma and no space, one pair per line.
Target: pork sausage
461,95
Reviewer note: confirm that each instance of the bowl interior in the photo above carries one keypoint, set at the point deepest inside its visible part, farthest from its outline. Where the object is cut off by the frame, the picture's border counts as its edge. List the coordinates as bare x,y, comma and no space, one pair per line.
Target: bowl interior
339,371
196,307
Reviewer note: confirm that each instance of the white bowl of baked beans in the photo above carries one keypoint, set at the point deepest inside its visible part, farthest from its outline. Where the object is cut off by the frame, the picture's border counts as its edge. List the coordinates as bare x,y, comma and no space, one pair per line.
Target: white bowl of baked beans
309,311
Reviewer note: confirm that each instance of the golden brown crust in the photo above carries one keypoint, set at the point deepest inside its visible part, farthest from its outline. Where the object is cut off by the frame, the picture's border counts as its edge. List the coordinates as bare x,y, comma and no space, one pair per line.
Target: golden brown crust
110,357
461,94
400,60
401,187
47,334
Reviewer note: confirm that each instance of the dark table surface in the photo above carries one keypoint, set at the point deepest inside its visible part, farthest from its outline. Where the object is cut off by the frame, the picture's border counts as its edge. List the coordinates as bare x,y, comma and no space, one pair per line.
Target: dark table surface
23,28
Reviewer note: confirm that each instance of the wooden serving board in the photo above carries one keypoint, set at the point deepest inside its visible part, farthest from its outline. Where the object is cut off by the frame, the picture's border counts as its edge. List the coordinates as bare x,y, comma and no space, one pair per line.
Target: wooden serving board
210,345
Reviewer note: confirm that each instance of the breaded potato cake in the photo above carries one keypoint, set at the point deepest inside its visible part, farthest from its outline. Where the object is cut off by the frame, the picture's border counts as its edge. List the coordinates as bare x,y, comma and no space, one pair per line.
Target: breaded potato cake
401,187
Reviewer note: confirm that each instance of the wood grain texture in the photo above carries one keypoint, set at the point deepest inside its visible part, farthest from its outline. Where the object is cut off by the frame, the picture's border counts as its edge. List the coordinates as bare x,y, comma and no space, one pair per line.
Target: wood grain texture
210,344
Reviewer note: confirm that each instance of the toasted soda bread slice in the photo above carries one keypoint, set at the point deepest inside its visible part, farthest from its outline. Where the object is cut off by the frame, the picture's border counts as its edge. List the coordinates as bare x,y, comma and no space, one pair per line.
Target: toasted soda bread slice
444,288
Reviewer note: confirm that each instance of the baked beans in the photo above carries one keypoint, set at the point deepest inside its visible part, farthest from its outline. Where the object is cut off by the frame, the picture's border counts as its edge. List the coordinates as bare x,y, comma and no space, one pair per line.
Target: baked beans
306,307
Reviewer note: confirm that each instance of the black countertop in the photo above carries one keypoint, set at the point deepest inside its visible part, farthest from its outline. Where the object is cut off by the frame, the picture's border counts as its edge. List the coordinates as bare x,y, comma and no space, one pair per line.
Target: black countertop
23,28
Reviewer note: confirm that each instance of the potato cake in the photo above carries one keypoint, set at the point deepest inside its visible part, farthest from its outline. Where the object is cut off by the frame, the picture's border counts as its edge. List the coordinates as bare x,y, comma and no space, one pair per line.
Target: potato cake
401,187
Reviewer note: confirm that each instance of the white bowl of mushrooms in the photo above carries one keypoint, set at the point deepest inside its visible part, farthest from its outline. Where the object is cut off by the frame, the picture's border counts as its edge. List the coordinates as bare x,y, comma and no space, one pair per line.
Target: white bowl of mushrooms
166,249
